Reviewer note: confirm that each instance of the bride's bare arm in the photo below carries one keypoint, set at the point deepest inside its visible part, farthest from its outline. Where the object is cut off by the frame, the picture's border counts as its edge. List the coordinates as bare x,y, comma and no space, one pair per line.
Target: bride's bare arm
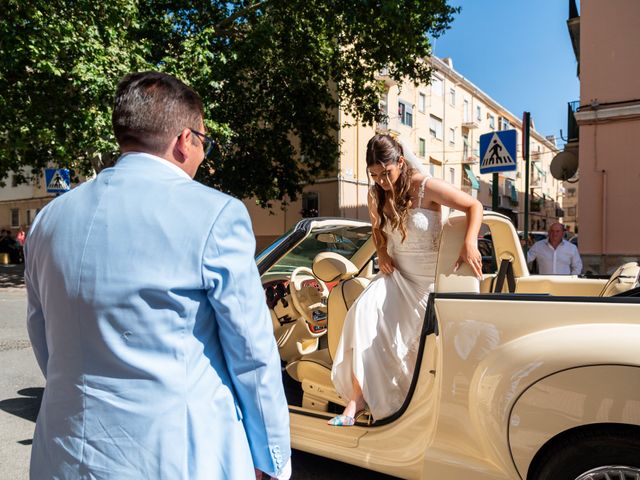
443,193
385,263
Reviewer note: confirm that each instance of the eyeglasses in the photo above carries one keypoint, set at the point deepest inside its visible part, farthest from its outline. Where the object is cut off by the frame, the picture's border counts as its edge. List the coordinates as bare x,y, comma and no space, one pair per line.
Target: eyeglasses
207,142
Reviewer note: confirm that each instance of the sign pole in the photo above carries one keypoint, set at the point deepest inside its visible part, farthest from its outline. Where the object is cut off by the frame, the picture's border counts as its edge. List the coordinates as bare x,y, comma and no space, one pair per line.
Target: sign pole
526,133
495,197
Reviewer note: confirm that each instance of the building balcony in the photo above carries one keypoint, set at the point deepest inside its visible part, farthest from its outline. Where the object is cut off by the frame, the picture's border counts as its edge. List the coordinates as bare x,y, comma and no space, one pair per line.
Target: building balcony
573,24
383,76
537,204
573,131
468,125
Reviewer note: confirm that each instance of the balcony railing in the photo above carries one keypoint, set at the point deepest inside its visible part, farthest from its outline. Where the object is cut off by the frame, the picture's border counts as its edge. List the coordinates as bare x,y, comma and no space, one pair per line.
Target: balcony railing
573,133
537,204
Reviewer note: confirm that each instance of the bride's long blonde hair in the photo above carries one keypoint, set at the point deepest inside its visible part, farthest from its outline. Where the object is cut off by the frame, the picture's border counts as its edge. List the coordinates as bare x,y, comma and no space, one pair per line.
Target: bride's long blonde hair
382,149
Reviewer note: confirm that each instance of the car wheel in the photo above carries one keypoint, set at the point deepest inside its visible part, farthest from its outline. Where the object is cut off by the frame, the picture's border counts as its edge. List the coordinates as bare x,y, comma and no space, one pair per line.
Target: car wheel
594,454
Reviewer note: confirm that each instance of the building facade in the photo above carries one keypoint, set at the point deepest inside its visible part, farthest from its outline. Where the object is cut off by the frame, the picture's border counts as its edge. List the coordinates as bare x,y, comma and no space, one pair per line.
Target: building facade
19,204
606,42
443,122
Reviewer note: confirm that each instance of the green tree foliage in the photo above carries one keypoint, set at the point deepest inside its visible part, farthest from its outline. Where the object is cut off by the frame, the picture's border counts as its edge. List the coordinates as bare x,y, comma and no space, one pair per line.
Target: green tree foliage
272,73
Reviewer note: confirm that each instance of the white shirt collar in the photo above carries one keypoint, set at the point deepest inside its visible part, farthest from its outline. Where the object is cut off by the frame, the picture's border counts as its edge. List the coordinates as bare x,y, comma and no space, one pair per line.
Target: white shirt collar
562,242
165,162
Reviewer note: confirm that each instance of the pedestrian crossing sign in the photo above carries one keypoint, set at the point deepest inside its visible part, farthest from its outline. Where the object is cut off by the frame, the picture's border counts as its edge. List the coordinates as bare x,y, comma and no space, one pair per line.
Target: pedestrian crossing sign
498,151
58,180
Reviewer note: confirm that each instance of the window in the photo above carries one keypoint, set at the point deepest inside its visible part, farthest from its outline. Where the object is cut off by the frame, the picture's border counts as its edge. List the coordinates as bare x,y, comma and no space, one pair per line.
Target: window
492,121
435,127
504,124
571,192
432,170
310,204
422,147
478,113
476,151
15,217
452,176
31,215
571,211
452,97
452,136
465,146
465,111
437,86
383,110
405,112
422,102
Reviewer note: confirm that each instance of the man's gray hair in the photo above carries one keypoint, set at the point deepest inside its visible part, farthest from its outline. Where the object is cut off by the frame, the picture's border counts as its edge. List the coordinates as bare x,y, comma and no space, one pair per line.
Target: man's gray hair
151,108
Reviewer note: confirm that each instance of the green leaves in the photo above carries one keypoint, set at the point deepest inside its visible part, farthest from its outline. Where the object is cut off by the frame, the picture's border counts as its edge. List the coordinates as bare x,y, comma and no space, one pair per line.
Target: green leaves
59,64
272,75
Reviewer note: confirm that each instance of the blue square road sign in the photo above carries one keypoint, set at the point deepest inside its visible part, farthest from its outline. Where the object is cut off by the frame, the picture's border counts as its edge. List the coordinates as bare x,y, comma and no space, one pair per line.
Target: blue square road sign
57,180
498,151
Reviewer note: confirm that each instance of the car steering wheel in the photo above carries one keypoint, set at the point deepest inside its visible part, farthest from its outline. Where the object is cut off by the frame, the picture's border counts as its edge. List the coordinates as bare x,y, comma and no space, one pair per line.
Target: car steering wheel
306,298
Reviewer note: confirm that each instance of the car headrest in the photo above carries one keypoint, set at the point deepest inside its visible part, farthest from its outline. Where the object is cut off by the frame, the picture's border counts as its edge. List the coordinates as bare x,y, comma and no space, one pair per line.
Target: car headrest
331,266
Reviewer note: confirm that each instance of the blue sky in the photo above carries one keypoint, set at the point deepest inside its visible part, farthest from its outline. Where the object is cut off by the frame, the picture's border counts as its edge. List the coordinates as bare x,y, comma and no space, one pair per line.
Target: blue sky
519,53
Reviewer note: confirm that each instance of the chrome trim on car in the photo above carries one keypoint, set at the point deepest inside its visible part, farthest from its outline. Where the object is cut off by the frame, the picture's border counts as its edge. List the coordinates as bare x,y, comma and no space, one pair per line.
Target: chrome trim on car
611,472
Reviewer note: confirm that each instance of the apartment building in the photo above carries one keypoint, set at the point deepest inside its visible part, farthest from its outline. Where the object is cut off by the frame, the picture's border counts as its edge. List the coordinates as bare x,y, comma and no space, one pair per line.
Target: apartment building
443,122
19,204
606,39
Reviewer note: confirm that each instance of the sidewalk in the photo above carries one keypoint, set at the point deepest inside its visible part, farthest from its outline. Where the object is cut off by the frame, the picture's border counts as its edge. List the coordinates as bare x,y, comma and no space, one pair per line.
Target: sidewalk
12,276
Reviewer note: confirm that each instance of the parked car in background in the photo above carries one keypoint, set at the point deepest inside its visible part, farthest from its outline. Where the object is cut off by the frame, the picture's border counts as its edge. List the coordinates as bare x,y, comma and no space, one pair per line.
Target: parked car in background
574,240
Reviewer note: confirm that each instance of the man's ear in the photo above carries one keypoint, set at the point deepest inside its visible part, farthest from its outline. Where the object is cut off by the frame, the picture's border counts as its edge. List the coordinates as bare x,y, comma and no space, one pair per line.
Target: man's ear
182,147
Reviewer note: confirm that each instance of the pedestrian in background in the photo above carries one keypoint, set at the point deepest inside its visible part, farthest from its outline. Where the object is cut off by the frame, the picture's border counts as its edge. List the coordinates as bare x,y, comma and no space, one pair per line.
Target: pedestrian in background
555,255
158,353
21,236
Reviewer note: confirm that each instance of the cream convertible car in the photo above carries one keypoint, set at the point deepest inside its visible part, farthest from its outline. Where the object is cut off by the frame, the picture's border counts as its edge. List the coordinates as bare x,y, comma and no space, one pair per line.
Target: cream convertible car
518,376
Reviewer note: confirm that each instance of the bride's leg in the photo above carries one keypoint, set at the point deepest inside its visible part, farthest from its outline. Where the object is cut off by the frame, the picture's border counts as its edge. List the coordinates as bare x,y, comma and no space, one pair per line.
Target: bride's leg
356,403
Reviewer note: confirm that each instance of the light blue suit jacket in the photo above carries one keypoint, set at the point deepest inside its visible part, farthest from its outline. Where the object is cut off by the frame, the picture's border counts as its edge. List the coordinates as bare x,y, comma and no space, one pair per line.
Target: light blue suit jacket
148,320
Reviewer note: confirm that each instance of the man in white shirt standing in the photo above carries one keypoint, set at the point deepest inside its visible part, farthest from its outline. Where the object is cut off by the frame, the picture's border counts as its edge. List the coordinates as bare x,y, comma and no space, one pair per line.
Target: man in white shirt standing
555,255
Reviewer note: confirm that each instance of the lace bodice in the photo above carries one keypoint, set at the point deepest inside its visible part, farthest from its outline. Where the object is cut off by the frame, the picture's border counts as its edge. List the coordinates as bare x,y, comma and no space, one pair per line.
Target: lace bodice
418,253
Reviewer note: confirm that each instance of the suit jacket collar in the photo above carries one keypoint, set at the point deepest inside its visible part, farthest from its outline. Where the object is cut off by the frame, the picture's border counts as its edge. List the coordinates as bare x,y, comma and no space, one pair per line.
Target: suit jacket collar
135,157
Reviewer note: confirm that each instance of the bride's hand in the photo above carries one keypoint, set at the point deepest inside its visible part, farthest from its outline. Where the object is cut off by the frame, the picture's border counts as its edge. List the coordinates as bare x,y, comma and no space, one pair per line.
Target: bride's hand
470,254
385,263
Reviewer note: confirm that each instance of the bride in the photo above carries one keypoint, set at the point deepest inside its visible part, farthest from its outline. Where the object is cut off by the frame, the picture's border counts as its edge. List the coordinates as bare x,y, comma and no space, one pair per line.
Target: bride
376,356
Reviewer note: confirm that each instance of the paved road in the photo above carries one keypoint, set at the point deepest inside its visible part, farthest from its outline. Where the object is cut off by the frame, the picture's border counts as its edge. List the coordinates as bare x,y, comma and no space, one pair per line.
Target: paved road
21,387
21,383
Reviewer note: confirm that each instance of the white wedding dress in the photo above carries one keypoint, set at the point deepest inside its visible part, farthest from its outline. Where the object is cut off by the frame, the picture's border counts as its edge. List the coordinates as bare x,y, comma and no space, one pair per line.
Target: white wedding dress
381,333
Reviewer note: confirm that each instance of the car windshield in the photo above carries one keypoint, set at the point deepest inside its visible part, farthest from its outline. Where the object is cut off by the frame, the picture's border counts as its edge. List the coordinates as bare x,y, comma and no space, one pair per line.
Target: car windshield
345,240
272,246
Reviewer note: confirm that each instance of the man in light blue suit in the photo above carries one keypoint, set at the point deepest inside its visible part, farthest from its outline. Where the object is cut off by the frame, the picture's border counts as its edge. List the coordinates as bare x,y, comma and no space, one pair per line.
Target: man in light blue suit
147,316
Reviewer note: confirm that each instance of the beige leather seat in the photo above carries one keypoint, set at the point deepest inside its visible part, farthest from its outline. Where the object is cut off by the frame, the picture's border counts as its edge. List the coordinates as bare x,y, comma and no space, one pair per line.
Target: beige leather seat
314,370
